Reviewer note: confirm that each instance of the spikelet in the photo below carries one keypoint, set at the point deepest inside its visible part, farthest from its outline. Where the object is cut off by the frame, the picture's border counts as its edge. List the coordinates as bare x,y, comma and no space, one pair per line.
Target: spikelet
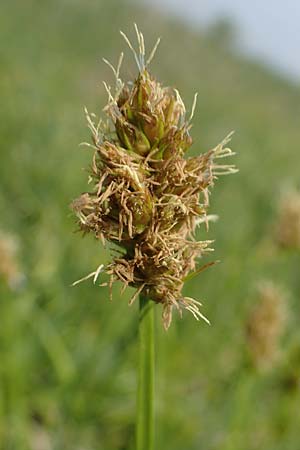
266,325
287,229
146,196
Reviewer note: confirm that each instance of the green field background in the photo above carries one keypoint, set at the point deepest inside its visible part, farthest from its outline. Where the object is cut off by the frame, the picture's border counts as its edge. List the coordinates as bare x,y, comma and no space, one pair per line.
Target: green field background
68,354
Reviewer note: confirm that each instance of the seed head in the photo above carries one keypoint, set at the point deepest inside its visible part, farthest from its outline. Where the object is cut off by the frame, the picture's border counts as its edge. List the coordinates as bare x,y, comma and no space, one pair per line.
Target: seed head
9,264
146,196
266,325
287,228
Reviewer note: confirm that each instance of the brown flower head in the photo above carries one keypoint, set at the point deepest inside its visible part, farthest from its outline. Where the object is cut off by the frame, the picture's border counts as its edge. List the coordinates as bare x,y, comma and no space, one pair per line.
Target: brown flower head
287,229
266,325
146,196
9,264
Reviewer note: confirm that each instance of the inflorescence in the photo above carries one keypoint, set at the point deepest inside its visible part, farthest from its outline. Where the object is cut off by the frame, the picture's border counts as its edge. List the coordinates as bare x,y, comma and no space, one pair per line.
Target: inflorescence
146,197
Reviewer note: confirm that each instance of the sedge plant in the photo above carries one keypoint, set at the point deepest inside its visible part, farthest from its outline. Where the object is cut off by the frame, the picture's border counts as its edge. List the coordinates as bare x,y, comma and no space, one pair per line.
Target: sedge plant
148,199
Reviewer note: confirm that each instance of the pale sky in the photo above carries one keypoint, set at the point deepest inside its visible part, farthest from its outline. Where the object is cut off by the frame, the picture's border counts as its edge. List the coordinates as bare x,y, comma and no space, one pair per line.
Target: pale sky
269,29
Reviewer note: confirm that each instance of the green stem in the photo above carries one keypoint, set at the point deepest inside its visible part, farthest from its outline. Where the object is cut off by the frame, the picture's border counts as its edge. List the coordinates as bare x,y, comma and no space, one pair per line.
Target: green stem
145,392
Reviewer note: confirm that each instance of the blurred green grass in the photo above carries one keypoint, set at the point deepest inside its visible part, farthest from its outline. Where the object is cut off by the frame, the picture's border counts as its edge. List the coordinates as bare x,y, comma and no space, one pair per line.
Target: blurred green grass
68,355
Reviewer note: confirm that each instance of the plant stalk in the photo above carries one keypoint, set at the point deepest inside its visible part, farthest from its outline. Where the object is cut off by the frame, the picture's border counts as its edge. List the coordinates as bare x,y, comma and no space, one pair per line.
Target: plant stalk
145,391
